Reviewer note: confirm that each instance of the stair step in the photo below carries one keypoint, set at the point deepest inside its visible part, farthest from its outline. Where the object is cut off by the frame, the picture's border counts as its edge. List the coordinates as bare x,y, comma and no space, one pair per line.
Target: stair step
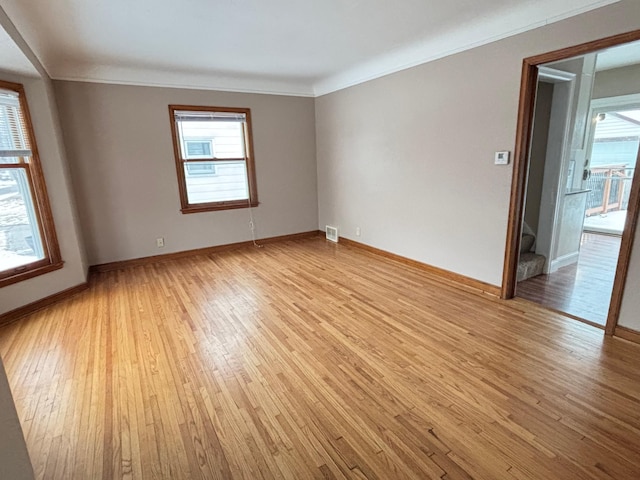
530,265
527,242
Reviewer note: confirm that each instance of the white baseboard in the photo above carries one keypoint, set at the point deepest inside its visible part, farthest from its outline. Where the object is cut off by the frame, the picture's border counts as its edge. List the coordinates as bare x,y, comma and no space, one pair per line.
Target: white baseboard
563,261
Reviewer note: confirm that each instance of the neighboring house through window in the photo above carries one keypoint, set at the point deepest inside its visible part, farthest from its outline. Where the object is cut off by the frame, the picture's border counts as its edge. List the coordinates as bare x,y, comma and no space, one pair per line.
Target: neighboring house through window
214,157
28,242
198,149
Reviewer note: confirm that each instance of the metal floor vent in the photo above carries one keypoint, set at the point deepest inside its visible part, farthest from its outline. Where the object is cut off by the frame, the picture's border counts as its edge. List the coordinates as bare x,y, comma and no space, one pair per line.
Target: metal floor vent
332,233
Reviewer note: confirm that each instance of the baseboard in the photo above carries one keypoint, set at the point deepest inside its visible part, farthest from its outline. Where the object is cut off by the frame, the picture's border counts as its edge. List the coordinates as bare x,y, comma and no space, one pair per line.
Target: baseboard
455,279
627,334
108,267
13,315
563,261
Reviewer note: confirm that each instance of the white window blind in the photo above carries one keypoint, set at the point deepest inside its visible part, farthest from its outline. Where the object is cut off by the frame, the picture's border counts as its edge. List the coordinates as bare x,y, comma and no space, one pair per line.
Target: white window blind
194,116
13,139
222,131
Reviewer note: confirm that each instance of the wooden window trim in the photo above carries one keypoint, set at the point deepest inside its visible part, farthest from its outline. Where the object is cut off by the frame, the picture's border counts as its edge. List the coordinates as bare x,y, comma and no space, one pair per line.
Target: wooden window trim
52,259
187,207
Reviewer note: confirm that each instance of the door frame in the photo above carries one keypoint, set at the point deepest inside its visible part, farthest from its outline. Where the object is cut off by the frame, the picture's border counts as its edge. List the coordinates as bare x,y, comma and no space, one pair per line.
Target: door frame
554,177
526,109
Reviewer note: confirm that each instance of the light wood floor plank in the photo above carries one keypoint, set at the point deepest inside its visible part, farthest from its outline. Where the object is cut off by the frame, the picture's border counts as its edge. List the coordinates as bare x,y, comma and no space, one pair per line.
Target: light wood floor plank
310,360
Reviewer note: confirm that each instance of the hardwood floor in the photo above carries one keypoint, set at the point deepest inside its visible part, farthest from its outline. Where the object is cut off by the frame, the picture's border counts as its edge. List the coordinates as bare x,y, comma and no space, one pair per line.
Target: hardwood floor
307,359
582,289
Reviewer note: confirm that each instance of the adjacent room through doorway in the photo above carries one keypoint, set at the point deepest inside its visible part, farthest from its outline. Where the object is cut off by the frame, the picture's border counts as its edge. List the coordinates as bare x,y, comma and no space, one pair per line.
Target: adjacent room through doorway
583,155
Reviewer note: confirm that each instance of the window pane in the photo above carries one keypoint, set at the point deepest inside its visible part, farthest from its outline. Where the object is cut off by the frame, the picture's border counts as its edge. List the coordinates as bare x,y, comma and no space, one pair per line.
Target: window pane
616,139
198,149
225,181
20,242
227,138
200,168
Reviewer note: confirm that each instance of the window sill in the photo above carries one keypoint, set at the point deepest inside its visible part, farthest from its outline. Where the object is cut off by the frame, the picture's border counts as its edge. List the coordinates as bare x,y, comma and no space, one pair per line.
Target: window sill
214,207
30,273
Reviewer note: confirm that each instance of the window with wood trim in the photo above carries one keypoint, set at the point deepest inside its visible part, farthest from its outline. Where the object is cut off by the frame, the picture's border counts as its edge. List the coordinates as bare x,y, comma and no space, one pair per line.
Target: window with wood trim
214,157
28,242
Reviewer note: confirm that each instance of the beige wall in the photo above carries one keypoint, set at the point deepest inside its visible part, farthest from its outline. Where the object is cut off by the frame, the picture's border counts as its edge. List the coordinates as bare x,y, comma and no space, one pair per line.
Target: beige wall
52,155
14,458
617,82
119,143
409,157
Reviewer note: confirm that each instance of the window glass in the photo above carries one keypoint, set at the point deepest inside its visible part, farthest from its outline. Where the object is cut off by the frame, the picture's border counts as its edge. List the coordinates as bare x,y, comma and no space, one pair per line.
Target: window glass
228,184
20,242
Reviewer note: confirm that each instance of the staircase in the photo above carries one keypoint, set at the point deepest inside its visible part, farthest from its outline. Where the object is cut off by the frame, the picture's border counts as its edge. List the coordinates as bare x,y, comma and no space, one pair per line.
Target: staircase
530,264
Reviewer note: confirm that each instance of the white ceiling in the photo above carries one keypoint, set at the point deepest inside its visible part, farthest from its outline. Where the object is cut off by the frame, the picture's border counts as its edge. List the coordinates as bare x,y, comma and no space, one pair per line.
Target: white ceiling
299,47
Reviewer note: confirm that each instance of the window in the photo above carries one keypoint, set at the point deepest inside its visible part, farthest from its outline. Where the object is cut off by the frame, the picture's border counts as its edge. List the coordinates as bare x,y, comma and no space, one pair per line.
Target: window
214,157
28,242
194,168
198,149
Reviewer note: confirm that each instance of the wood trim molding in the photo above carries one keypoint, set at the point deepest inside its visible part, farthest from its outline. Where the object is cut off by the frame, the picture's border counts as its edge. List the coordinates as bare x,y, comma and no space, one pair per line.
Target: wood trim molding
624,256
40,268
107,267
627,334
583,48
212,207
519,178
521,165
185,206
452,278
13,315
42,209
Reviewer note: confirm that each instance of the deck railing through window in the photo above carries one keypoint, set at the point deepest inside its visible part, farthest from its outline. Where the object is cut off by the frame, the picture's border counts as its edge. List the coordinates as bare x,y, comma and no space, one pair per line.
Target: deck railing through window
609,187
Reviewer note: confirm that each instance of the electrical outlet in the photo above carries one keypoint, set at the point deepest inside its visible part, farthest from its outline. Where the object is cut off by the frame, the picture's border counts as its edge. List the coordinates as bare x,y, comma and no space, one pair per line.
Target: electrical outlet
160,242
358,232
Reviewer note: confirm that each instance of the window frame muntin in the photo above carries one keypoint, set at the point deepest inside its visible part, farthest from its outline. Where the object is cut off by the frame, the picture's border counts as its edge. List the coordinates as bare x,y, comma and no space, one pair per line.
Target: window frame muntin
185,206
52,258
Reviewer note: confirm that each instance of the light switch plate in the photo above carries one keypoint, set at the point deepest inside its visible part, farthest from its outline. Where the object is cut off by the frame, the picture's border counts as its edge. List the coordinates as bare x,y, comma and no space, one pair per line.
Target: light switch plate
502,158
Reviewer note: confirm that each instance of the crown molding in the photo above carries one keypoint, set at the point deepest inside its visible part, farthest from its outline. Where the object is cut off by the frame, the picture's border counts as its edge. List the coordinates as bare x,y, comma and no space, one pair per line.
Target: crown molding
118,75
465,37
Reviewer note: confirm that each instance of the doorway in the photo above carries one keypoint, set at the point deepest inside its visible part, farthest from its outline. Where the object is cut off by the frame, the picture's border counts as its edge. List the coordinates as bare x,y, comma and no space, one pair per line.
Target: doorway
575,251
580,281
